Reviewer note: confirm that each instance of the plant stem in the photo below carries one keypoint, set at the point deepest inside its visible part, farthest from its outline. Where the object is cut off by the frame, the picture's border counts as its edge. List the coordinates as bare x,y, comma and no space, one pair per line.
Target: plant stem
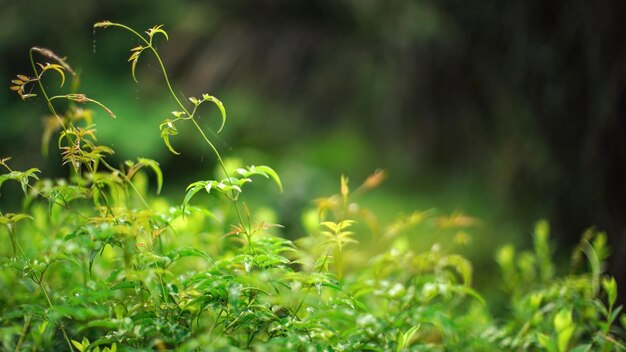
39,282
191,116
24,331
43,90
216,320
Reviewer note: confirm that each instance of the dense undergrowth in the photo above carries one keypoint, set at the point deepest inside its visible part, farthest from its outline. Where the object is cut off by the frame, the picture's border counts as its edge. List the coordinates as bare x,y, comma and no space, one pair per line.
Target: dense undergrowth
97,262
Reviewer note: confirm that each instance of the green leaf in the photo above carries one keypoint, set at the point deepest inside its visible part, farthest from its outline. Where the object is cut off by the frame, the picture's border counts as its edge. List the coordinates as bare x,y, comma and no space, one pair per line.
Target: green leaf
564,328
581,348
462,266
269,171
405,338
102,24
124,285
3,178
57,68
563,319
214,100
564,338
168,129
192,189
166,139
20,176
52,201
468,291
611,318
187,252
330,225
595,264
79,346
542,249
104,323
157,29
157,170
546,342
133,66
610,287
17,217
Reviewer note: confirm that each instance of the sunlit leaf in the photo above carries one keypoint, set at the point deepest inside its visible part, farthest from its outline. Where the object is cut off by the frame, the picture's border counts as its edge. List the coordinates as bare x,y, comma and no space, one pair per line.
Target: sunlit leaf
157,170
461,265
564,328
267,172
52,201
344,189
132,68
21,177
157,29
192,190
10,218
188,252
102,24
78,345
56,67
219,104
168,129
405,338
468,291
166,139
610,287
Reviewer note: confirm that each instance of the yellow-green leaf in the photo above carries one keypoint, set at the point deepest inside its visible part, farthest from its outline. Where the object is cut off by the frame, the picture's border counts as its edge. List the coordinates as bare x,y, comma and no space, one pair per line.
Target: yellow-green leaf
57,68
78,345
157,29
273,174
220,106
157,170
132,68
102,24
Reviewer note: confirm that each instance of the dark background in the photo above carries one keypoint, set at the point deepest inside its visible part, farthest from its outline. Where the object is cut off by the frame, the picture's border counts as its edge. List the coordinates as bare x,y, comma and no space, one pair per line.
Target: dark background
508,110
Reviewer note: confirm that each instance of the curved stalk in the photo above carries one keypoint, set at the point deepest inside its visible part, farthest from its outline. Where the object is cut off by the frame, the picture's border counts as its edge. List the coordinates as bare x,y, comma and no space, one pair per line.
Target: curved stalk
43,90
148,43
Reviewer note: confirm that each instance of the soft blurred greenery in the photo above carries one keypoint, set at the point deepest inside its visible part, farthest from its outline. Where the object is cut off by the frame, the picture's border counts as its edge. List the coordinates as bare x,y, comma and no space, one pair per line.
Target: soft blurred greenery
508,112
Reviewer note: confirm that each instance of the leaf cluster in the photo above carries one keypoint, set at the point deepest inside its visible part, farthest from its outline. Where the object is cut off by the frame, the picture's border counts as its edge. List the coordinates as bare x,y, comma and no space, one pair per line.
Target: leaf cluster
99,263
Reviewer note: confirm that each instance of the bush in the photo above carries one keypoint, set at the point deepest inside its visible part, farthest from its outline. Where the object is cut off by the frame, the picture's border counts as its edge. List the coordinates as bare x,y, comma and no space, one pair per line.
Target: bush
99,263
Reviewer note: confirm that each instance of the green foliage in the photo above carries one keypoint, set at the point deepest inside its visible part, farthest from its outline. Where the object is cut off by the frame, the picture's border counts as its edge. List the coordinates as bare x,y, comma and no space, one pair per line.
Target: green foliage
109,266
561,314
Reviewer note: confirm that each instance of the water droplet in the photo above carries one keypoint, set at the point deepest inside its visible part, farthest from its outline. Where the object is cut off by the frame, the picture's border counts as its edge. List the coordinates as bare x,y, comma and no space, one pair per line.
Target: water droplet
94,40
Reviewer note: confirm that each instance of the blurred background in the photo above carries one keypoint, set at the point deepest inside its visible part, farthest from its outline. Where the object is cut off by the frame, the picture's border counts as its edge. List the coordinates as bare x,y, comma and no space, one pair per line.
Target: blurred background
506,111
